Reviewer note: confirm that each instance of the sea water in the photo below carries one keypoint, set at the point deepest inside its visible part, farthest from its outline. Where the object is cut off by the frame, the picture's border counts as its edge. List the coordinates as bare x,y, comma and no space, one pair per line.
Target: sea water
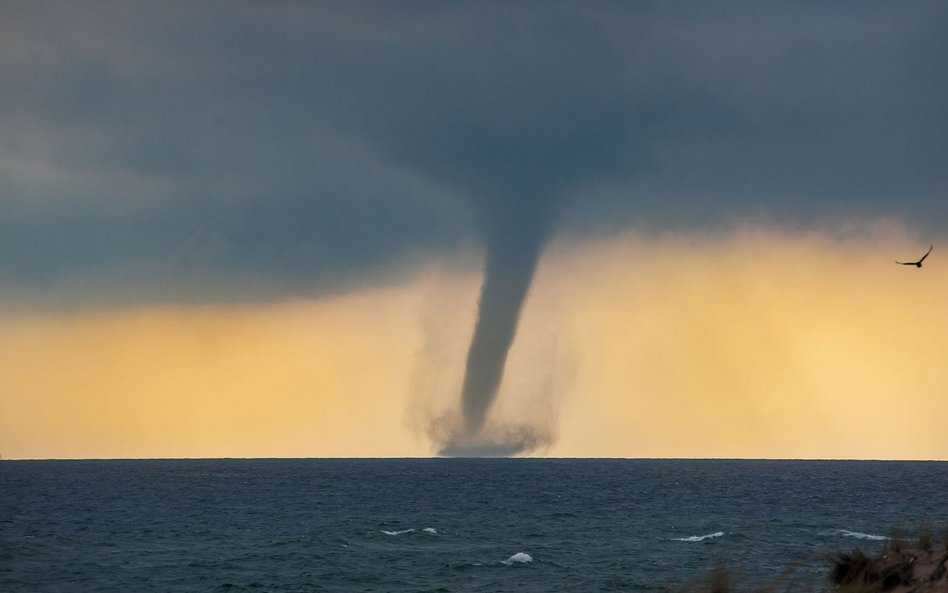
488,525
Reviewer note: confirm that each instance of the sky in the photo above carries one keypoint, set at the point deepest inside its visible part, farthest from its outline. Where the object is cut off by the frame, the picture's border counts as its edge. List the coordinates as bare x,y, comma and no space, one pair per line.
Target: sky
315,229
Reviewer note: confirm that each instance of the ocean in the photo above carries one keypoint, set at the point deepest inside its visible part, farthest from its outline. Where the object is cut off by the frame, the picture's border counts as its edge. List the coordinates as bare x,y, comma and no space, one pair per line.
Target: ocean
416,525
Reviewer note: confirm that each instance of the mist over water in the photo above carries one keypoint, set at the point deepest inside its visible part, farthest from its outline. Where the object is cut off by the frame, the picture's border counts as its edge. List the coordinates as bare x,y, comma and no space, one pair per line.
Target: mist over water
502,441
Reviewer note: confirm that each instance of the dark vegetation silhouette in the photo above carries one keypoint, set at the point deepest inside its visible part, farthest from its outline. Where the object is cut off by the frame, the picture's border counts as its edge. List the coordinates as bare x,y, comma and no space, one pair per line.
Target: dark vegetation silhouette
901,566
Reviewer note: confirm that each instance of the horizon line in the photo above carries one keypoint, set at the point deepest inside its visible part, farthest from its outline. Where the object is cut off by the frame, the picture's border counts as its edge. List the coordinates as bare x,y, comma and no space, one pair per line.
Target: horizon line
438,457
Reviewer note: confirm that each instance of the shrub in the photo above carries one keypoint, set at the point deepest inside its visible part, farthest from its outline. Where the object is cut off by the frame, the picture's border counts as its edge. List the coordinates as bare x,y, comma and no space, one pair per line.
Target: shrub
850,568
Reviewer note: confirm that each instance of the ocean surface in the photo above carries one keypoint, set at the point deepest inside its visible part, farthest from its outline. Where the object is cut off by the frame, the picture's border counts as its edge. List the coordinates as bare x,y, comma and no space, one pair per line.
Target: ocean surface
445,524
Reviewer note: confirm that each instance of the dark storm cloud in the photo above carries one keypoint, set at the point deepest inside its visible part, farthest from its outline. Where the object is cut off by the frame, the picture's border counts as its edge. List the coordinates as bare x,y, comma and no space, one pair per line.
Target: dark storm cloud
834,109
163,150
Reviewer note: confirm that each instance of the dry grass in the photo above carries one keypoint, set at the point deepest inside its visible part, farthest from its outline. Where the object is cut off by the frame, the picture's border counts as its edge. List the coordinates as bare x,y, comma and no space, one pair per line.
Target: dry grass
896,539
925,537
719,582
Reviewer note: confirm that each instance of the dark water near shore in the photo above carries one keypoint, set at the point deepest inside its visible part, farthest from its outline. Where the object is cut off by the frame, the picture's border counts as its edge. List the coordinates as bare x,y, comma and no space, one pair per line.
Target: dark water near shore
442,524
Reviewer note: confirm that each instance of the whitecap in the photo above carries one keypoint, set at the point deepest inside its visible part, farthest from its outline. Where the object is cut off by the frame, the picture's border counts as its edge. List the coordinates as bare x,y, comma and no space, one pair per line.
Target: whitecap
853,534
698,538
386,532
518,558
430,530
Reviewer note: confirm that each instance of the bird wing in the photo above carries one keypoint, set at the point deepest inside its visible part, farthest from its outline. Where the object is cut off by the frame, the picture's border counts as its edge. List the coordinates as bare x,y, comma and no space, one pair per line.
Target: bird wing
926,253
905,263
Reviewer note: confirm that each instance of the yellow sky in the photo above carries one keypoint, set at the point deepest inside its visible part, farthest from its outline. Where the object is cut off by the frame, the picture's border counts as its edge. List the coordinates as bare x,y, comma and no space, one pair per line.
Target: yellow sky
753,343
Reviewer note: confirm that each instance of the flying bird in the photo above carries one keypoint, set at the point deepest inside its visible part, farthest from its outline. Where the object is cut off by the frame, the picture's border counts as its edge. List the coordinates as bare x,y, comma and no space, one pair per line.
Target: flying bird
918,263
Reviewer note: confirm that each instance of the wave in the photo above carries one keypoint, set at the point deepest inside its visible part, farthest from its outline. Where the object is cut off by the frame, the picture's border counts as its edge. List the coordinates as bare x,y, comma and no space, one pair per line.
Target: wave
698,538
854,534
518,558
431,530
